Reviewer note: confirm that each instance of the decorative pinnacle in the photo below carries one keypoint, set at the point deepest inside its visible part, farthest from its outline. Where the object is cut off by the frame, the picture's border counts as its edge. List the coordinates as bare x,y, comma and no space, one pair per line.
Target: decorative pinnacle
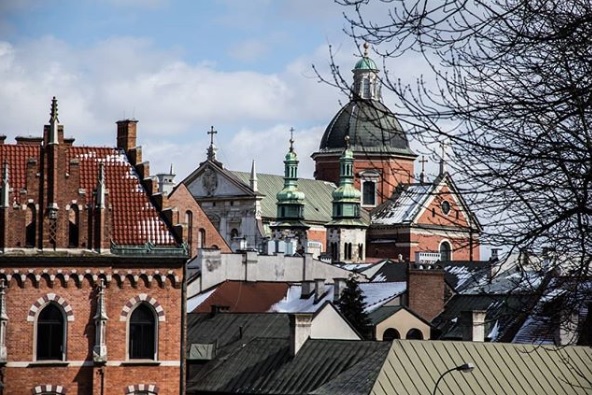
291,139
53,114
347,141
366,46
423,161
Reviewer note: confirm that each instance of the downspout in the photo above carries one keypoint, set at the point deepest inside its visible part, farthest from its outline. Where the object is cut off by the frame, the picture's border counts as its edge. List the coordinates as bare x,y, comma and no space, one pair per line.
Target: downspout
183,375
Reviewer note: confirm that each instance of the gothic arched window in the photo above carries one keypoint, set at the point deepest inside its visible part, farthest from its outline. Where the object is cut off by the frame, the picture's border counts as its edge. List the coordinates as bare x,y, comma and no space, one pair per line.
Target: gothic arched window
189,222
142,333
51,334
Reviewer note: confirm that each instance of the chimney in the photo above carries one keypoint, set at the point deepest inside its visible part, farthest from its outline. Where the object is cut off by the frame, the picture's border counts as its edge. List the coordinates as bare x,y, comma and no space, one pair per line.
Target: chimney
250,261
126,134
300,330
307,289
319,288
338,287
473,325
566,332
425,289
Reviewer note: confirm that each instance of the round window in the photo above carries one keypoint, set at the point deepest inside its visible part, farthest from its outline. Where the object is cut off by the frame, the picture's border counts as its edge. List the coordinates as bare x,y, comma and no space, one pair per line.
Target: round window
445,207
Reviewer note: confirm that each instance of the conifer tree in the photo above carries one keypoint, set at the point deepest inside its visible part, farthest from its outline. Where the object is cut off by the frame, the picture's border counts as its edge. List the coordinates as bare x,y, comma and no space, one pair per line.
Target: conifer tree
352,305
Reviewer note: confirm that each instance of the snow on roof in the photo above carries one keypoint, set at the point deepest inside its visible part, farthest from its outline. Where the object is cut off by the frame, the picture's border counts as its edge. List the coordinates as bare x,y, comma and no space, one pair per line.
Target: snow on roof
405,207
198,299
509,281
376,295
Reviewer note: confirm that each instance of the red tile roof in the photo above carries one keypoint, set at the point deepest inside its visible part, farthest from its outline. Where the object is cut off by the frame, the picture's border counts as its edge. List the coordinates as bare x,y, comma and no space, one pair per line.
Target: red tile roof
134,219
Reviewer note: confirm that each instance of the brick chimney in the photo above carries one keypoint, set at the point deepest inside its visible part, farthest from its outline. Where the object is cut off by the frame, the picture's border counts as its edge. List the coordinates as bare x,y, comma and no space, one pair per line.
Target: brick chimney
126,134
425,289
300,330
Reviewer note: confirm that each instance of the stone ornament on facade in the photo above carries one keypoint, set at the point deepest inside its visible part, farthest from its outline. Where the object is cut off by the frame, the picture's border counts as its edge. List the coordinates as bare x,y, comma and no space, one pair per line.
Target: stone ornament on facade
45,300
149,389
209,181
139,299
49,389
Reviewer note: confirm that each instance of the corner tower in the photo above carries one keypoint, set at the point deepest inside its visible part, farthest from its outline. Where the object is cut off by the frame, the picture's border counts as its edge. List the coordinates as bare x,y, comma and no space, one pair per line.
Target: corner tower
346,233
382,158
290,224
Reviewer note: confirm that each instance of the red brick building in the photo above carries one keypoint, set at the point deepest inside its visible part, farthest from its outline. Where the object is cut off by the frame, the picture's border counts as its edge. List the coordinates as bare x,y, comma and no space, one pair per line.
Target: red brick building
407,217
91,270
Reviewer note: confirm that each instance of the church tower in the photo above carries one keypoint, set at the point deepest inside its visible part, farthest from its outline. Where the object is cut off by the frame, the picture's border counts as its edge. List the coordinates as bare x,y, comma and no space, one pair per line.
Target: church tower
382,158
346,233
290,226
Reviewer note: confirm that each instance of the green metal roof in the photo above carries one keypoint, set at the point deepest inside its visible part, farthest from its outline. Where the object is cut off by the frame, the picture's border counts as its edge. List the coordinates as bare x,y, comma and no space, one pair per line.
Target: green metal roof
365,64
414,366
317,201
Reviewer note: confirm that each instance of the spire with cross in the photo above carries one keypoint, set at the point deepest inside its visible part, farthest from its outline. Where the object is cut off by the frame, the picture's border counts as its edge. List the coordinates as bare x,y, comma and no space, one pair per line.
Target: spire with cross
212,147
422,162
291,139
443,145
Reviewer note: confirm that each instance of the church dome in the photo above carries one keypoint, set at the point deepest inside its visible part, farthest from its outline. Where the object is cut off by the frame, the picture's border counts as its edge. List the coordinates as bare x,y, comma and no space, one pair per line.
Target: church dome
371,127
365,64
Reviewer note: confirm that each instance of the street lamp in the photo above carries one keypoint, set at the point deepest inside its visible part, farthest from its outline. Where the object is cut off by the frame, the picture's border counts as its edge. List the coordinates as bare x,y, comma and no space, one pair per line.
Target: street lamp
465,367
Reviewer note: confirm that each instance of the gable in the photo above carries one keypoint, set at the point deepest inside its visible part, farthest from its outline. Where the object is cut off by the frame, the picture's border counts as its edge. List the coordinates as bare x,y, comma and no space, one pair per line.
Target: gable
443,208
329,324
210,181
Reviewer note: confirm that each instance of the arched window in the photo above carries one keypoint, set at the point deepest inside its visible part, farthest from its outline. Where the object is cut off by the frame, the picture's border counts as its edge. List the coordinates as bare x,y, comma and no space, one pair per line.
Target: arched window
233,233
73,227
391,334
189,222
31,226
334,252
414,334
51,334
201,241
369,193
445,252
360,251
142,333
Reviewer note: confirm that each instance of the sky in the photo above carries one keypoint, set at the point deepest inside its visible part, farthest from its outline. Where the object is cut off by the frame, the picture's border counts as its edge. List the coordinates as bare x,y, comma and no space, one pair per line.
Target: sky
179,68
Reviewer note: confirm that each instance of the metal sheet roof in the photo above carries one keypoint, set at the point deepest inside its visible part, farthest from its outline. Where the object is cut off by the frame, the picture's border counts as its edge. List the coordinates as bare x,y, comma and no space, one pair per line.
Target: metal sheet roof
318,195
414,366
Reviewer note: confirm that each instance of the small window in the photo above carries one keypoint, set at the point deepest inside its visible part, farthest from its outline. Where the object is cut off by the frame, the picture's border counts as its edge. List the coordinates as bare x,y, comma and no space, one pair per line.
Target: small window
73,227
233,233
142,333
391,334
445,206
51,331
189,223
31,226
201,242
369,193
414,334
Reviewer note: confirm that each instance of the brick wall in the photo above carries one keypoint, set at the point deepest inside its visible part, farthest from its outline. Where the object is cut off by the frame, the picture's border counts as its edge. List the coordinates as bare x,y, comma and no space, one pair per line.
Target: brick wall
425,288
77,288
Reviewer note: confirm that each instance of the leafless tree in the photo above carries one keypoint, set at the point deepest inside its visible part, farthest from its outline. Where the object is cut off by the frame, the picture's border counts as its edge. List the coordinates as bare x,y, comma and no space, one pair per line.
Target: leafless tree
509,84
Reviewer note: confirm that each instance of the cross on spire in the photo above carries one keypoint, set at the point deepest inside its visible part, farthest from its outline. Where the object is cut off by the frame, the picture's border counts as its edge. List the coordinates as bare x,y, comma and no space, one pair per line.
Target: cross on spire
212,132
292,139
422,161
443,146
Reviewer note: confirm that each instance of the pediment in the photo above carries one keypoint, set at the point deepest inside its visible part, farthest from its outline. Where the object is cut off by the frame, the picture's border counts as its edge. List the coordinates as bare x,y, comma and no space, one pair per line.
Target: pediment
210,181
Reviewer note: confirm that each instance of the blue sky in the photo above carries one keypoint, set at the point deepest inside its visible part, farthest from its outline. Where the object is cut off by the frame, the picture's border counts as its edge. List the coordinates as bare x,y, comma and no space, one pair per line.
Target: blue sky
179,67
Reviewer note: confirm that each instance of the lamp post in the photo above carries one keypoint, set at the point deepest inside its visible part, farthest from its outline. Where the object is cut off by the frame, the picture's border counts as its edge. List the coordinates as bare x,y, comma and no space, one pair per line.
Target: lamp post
465,367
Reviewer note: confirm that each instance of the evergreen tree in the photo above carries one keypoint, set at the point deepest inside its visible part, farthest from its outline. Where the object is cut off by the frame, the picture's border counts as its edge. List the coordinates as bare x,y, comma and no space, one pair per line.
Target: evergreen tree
351,304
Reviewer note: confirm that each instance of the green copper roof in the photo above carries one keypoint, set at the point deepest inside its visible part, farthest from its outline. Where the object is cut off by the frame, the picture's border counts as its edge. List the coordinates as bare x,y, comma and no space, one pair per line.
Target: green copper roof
365,64
317,200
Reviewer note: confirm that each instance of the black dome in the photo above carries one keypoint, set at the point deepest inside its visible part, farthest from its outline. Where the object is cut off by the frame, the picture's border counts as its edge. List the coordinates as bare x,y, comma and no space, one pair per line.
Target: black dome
371,127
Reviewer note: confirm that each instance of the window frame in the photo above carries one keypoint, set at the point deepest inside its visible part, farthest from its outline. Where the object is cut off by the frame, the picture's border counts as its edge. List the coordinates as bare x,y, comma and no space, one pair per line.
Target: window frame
155,323
64,335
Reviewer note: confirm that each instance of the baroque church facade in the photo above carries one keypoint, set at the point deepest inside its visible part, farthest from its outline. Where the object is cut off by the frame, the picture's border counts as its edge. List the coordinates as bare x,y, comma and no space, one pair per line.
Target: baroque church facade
363,149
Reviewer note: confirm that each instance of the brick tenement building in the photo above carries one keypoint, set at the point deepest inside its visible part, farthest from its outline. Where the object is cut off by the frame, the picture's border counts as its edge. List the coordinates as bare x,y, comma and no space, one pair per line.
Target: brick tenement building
91,271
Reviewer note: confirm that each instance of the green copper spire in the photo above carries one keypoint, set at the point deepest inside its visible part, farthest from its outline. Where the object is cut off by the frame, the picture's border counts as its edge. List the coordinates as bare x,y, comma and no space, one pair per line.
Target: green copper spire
290,201
346,198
